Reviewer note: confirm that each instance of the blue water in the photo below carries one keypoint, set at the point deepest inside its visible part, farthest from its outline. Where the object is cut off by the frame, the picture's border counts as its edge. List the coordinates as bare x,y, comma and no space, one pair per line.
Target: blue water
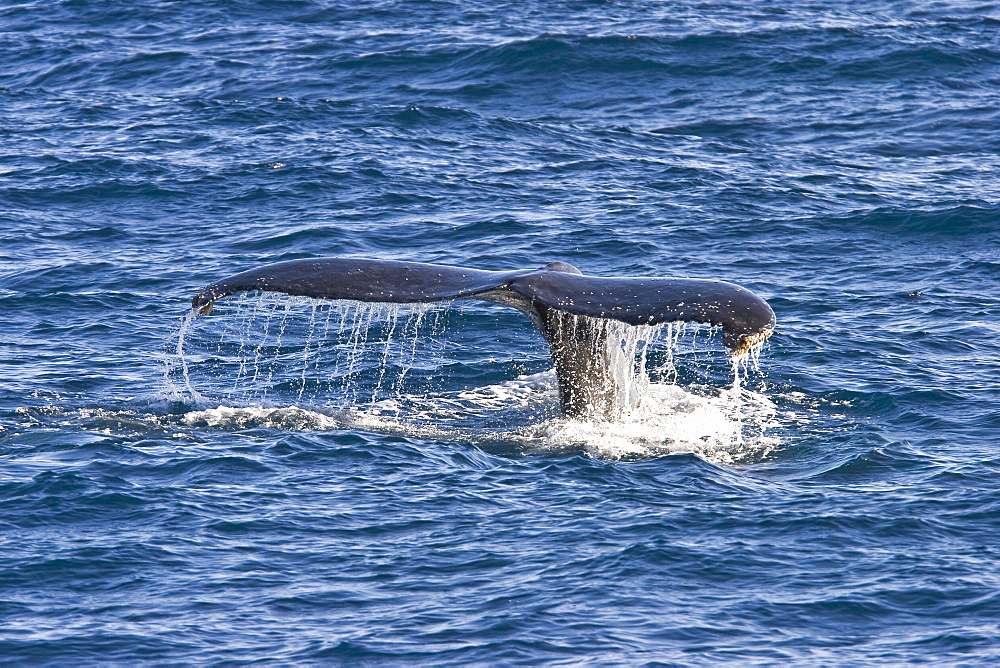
430,506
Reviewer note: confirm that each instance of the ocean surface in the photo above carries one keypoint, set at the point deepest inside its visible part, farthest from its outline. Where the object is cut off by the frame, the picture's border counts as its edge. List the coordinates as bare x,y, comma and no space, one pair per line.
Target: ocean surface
289,481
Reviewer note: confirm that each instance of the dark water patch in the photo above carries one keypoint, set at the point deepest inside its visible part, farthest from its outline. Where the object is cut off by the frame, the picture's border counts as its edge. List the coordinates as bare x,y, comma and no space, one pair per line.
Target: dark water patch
96,234
94,647
879,465
109,193
960,642
86,168
94,568
247,528
919,63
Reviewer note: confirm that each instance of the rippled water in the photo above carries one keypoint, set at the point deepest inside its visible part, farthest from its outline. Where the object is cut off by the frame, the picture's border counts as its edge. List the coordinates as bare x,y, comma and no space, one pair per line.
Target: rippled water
323,499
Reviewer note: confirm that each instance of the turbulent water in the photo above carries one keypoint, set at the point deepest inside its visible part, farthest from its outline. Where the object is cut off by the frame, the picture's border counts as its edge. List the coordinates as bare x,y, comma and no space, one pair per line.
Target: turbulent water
330,483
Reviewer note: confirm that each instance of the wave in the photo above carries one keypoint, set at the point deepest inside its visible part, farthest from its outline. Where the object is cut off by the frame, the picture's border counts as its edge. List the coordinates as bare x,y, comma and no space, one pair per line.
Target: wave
185,59
945,220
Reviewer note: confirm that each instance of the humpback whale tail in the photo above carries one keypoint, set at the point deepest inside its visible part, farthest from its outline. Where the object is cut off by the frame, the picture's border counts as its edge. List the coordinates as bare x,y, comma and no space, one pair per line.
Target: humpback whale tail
553,296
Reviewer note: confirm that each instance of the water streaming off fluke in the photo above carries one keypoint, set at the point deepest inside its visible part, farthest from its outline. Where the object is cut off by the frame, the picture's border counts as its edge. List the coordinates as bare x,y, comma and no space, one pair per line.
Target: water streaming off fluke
295,362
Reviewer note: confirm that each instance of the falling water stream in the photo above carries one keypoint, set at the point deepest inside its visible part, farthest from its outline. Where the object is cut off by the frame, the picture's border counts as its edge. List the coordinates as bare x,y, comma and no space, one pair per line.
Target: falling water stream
296,362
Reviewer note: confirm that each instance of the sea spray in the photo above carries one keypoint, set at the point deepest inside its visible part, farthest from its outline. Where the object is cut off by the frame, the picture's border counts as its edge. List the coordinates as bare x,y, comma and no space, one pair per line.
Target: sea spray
347,362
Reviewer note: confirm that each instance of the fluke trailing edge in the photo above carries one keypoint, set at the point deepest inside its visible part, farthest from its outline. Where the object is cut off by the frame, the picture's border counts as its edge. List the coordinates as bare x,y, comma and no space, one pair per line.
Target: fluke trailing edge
553,297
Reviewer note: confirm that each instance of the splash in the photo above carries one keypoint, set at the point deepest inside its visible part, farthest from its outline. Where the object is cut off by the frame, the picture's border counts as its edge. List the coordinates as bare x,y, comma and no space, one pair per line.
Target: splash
297,363
670,420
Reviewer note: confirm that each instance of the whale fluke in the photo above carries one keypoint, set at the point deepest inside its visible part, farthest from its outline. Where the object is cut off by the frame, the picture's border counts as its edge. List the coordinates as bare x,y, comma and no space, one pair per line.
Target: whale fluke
548,296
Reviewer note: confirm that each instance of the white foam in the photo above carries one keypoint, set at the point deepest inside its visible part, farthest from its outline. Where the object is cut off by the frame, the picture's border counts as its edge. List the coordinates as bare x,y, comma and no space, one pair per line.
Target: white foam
286,418
668,420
